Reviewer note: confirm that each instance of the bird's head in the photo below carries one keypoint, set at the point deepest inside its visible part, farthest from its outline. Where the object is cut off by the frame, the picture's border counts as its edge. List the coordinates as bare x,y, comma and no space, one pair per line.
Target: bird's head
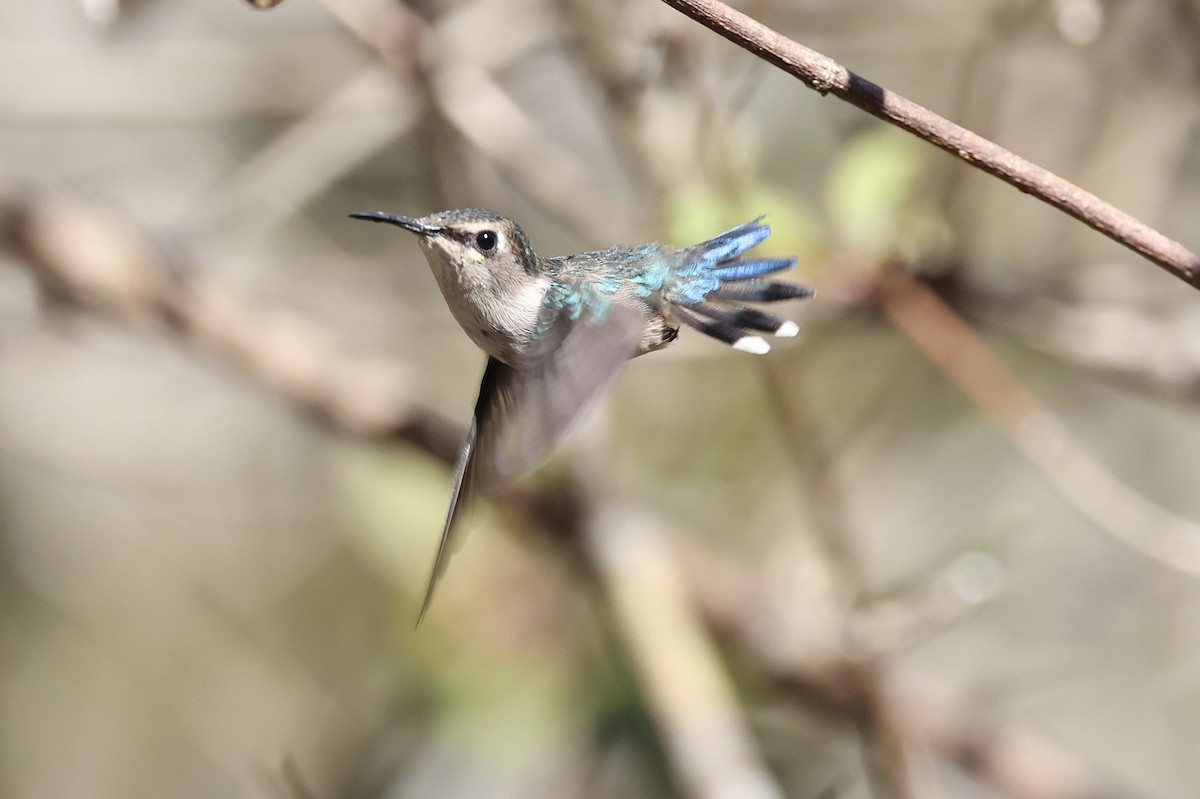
469,238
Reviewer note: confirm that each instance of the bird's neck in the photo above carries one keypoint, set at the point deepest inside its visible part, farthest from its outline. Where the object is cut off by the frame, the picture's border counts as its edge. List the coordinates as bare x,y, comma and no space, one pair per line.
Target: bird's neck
497,308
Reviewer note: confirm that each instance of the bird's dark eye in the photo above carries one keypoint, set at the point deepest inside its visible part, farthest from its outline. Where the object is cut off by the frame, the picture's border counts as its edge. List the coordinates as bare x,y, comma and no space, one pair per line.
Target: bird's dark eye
486,239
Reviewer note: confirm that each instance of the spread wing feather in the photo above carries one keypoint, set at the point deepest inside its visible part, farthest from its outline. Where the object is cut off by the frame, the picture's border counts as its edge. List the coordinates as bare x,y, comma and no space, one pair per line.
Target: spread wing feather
522,413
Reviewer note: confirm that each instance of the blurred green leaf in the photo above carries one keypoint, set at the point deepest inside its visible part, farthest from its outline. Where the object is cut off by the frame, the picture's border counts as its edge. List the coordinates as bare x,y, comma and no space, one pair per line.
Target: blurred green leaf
698,213
508,704
395,500
872,193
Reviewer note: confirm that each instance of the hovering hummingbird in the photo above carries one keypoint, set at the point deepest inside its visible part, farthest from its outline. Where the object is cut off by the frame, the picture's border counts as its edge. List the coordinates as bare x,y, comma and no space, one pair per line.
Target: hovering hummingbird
558,331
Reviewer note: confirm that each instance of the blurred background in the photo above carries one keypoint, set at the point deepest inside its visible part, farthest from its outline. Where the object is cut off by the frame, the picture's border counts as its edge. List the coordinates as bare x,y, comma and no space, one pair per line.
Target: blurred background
942,545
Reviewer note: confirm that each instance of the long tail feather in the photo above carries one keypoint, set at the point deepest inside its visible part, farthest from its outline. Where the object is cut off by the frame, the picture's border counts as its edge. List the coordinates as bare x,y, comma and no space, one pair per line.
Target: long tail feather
743,270
724,331
729,244
760,291
709,282
747,318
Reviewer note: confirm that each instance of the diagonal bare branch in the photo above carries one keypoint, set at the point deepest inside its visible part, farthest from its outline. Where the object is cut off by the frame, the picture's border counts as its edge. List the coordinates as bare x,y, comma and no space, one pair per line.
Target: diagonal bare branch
822,73
1074,471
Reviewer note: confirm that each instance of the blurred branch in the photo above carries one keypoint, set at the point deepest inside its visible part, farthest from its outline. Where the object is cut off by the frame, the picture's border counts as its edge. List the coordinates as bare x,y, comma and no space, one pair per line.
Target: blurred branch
979,99
1119,337
827,76
315,151
1017,762
1080,477
84,258
393,30
487,116
294,785
677,663
888,627
477,107
671,114
82,82
602,41
831,556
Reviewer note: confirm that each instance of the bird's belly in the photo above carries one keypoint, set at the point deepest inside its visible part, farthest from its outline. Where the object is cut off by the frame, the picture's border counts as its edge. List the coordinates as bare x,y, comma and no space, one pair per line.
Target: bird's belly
501,323
658,333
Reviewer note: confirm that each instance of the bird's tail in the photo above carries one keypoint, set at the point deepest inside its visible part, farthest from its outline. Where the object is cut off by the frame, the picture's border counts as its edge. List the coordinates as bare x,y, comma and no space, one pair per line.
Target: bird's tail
711,283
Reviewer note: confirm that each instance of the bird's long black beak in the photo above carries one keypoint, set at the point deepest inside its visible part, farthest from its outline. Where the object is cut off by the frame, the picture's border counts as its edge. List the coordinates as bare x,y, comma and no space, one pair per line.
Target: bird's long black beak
406,222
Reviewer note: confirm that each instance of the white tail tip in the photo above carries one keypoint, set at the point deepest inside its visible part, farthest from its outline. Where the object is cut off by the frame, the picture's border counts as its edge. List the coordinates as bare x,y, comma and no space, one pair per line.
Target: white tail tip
752,344
788,330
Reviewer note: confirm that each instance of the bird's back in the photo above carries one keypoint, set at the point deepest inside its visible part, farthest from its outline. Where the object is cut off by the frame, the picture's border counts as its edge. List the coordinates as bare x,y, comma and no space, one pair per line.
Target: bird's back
586,285
703,286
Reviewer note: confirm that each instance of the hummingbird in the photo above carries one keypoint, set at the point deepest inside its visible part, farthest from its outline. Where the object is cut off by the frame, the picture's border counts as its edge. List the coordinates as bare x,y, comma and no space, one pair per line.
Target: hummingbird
558,331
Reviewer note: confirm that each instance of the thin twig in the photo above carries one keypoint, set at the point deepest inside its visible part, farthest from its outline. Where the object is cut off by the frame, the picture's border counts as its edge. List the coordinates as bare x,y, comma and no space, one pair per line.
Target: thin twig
827,76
